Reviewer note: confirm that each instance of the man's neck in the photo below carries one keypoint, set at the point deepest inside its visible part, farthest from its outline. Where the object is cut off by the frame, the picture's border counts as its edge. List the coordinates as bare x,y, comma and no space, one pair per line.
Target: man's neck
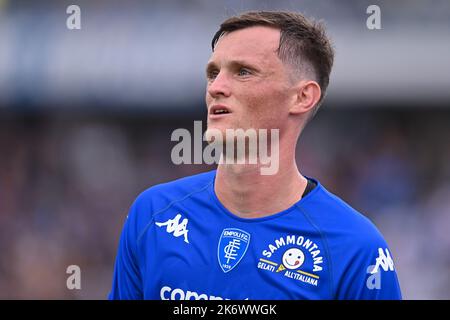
248,194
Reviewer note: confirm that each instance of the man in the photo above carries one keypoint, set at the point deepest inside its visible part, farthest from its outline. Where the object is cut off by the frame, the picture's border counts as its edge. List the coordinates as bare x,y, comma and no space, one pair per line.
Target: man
235,233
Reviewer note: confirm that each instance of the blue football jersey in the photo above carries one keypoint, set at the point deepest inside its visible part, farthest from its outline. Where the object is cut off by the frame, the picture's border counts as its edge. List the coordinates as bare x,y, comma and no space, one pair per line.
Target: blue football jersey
180,243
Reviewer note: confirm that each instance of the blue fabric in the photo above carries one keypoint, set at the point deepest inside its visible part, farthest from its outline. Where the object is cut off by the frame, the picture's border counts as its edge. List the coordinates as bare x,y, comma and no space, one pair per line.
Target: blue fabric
180,242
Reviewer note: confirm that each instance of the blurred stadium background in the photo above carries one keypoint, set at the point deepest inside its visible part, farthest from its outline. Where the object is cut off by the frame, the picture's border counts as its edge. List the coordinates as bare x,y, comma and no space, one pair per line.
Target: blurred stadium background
86,117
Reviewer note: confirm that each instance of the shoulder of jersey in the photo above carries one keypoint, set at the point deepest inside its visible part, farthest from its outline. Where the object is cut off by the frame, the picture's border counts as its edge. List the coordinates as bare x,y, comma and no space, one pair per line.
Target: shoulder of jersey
160,196
180,187
330,213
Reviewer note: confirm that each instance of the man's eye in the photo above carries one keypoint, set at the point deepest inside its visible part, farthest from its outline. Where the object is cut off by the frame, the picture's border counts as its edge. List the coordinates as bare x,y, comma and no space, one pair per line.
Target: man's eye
244,72
211,75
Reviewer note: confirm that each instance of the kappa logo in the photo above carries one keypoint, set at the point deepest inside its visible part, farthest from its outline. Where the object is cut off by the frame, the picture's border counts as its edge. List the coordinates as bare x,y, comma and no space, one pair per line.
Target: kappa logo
174,226
233,245
384,261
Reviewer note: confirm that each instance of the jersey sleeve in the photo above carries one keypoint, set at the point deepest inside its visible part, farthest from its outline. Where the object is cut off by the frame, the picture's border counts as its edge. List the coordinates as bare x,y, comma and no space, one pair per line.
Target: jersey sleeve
127,282
370,273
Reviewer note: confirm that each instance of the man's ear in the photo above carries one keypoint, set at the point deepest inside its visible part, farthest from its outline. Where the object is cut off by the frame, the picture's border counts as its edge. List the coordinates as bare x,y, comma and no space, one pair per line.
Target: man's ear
307,95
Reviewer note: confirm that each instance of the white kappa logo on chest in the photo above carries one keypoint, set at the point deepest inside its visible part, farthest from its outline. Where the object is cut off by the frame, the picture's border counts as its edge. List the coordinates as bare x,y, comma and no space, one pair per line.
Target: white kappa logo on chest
174,226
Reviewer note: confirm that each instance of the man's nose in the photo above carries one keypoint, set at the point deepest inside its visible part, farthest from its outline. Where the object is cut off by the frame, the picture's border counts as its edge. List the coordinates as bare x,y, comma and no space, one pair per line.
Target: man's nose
219,86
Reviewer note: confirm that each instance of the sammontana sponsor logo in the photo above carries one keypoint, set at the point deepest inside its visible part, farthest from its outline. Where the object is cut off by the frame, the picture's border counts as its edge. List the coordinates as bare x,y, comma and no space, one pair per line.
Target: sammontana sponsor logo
298,241
292,273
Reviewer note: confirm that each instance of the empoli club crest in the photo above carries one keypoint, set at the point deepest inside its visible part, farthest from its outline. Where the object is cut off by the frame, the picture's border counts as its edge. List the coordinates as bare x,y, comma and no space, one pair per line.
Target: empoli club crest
233,244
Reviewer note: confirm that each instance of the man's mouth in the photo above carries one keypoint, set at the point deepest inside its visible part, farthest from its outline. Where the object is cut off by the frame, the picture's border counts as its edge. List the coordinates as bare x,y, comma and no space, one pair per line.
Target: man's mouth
219,110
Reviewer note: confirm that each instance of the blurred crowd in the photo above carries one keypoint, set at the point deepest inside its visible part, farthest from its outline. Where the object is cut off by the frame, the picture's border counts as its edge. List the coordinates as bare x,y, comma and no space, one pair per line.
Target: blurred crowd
67,181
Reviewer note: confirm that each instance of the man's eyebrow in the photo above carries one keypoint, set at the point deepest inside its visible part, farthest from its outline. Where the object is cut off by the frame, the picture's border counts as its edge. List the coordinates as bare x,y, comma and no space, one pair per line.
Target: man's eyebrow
210,66
238,62
243,63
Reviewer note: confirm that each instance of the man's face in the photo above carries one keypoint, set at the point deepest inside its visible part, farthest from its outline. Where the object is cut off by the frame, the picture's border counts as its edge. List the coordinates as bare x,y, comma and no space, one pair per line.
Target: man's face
247,79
